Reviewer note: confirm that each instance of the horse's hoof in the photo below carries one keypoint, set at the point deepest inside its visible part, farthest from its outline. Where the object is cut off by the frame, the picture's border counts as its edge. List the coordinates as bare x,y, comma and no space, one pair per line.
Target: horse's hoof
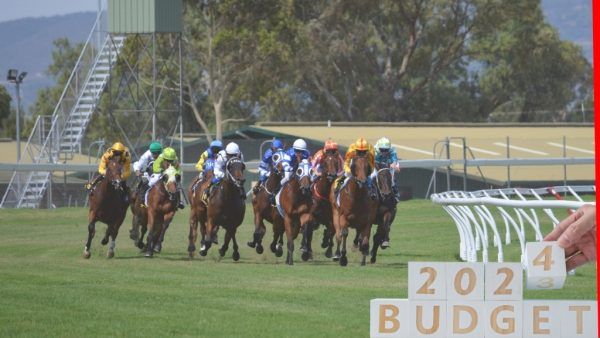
134,235
86,254
140,245
110,254
236,256
191,254
191,248
148,254
373,259
251,244
305,256
221,252
385,245
279,252
202,253
104,241
343,261
324,244
158,248
259,249
273,247
328,253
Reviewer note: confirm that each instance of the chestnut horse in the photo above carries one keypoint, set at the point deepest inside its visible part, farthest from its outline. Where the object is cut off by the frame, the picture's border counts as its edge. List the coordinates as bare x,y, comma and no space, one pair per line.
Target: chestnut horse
355,209
264,210
295,199
163,199
226,208
199,209
107,206
386,208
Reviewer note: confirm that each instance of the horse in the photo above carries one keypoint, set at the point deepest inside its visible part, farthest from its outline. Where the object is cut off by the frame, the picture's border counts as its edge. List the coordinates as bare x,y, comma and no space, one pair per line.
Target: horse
226,208
321,207
295,199
107,206
386,208
264,210
139,219
163,199
199,209
355,209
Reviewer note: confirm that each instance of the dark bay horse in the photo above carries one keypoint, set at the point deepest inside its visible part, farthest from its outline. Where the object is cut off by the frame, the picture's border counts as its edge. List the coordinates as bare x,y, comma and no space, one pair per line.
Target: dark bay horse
199,211
296,201
265,211
386,208
355,210
226,208
321,207
107,206
139,219
163,199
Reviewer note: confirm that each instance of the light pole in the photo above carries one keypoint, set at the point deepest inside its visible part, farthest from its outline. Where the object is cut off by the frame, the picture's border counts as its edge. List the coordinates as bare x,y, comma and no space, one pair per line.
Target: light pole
16,78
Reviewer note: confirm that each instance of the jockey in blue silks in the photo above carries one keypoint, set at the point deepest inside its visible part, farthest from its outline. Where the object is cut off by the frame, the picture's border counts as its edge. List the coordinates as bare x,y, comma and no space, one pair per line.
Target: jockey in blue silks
264,168
297,153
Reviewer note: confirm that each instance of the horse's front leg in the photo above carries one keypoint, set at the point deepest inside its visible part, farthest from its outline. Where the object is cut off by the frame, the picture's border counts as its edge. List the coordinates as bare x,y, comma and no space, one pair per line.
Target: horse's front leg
290,240
377,240
193,234
307,226
114,230
140,242
236,252
163,230
91,233
364,245
343,233
225,246
208,236
153,224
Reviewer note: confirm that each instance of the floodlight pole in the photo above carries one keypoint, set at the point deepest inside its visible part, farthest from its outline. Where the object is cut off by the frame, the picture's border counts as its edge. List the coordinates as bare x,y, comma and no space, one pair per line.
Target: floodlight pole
18,120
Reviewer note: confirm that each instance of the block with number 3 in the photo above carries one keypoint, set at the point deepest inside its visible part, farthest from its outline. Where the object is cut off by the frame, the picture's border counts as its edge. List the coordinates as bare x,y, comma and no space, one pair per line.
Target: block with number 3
546,267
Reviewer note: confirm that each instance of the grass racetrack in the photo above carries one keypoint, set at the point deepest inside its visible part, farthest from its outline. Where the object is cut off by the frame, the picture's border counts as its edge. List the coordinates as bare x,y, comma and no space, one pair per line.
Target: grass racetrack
49,290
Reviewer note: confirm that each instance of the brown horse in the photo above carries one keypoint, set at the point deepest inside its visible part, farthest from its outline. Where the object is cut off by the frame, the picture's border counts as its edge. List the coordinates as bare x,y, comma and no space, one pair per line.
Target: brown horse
386,209
265,211
163,199
355,209
296,202
107,206
139,219
321,207
199,211
226,208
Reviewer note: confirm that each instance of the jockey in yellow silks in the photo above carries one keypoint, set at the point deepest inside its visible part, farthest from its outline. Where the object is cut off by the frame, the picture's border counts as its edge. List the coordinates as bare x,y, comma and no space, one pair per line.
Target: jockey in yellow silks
359,148
119,151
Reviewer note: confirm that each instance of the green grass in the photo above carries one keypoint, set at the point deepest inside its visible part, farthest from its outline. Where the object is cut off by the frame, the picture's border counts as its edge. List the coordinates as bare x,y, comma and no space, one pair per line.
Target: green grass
48,289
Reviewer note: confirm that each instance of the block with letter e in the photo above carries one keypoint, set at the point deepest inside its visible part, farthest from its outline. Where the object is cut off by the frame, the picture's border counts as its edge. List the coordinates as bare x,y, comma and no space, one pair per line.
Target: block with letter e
390,318
546,267
541,318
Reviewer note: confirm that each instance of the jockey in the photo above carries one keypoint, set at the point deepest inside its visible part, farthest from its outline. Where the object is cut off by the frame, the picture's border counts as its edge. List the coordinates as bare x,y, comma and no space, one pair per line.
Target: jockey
143,166
162,162
264,169
384,153
297,153
359,148
231,150
330,147
119,151
208,155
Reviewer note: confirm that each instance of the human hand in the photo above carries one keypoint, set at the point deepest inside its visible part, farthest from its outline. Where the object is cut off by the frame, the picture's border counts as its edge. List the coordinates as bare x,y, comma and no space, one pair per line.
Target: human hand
577,235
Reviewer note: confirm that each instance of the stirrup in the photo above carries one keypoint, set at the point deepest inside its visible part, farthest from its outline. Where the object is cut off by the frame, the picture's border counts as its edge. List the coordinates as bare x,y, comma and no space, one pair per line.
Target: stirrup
143,205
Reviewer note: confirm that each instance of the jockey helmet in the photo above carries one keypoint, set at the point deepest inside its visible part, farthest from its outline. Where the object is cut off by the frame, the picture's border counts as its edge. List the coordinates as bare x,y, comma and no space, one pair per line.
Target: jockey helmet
232,149
169,154
155,147
300,144
277,144
118,146
330,145
383,143
361,144
216,144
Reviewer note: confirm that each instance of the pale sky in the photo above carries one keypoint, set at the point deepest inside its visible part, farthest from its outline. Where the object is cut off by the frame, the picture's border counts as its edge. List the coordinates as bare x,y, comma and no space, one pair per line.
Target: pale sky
18,9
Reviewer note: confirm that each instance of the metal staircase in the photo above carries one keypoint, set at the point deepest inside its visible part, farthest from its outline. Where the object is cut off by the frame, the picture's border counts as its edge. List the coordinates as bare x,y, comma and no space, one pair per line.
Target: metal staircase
56,138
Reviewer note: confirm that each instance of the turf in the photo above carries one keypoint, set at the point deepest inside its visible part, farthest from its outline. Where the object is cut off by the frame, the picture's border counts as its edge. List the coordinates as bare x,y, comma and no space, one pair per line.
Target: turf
48,289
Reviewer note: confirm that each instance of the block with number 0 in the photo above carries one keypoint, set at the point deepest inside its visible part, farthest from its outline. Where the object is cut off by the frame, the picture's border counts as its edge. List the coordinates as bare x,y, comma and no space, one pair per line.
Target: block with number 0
546,267
465,281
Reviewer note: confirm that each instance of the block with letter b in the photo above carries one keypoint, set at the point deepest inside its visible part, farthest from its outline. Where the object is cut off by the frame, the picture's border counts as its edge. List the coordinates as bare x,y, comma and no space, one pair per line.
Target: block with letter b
426,281
546,267
503,281
390,318
465,281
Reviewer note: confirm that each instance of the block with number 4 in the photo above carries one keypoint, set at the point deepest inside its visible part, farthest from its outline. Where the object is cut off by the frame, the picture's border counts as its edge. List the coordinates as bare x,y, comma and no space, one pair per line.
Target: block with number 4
546,267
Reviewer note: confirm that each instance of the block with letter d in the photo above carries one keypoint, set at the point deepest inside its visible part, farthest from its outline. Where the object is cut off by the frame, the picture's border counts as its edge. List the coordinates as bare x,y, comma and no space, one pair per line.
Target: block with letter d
546,267
390,318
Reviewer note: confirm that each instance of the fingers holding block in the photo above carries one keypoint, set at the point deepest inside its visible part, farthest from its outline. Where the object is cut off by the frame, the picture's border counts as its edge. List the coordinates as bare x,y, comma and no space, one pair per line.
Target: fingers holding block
390,318
426,281
546,267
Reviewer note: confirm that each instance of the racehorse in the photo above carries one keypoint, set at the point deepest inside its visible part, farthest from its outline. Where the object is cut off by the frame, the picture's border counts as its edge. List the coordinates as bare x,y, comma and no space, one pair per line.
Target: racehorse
295,199
139,219
226,208
355,209
264,210
163,199
107,206
321,207
199,209
386,208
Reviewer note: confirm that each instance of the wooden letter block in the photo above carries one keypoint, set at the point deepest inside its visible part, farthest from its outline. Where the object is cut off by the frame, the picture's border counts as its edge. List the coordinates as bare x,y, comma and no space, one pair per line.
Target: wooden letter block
390,318
428,318
541,318
465,319
503,281
503,319
426,281
465,281
545,265
579,319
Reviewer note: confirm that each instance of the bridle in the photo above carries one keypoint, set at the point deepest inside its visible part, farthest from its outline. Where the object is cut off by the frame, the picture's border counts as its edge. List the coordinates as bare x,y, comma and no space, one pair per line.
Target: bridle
378,184
237,182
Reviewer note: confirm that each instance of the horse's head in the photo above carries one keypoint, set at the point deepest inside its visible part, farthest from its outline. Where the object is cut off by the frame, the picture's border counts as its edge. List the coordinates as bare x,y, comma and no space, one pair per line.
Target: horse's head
170,179
235,171
114,170
303,176
360,168
276,158
385,181
330,165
